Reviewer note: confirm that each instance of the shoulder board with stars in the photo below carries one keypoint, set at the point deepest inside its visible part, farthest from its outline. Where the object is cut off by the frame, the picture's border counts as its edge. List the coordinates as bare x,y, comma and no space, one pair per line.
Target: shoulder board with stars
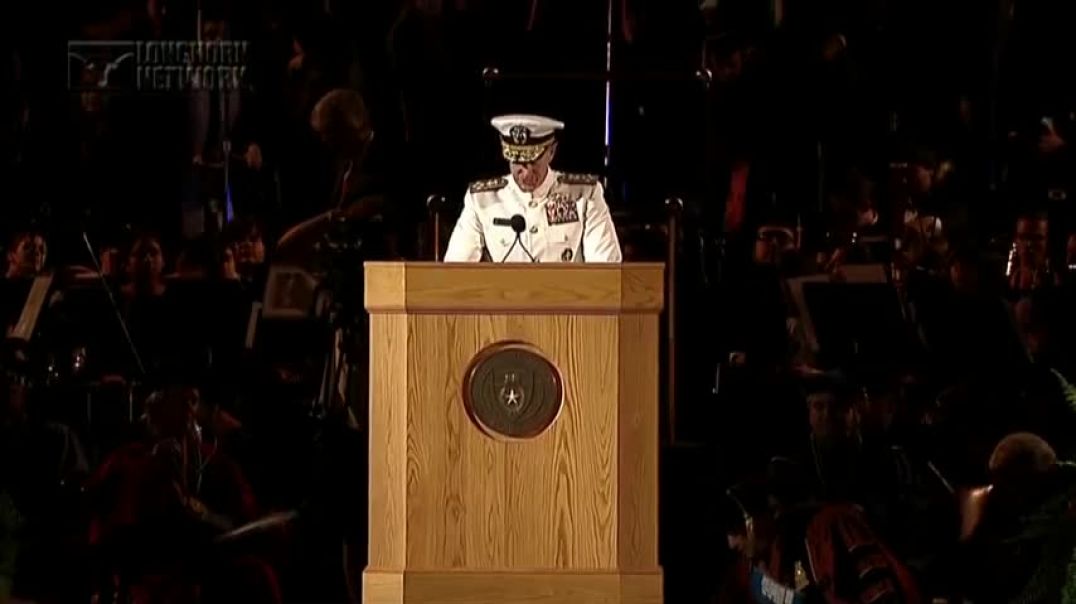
491,184
577,179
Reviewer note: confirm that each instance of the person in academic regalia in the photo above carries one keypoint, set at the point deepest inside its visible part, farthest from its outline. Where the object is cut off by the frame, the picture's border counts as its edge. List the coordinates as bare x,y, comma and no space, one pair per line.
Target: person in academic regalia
157,506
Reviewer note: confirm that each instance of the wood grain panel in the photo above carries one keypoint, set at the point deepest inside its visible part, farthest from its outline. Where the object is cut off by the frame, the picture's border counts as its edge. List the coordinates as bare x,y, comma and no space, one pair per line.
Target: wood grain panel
498,288
481,503
531,587
388,442
637,531
379,587
579,455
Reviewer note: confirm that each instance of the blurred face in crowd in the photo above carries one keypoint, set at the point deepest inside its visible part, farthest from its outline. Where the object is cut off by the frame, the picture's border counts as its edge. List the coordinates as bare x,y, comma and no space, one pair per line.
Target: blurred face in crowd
773,242
833,47
1031,240
147,259
745,541
214,29
250,248
342,123
922,178
829,418
726,66
866,208
878,411
172,414
27,256
529,176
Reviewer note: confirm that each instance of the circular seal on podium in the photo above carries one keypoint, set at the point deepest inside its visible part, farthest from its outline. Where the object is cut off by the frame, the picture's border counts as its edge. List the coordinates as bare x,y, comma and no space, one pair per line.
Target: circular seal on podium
512,391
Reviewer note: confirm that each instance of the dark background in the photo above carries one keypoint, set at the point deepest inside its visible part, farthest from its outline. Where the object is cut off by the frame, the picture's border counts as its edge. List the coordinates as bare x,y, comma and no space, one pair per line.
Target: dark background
693,93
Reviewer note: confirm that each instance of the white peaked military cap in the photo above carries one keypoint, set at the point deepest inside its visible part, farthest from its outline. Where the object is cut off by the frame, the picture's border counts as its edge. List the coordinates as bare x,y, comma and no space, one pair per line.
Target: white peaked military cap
524,138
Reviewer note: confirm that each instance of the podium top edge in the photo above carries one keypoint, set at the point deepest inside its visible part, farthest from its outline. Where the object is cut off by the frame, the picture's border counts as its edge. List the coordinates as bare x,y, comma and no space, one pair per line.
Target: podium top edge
483,288
560,266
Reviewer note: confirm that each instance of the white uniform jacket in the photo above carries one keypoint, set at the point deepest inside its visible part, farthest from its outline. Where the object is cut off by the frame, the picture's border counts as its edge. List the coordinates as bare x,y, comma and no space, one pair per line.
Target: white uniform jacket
567,220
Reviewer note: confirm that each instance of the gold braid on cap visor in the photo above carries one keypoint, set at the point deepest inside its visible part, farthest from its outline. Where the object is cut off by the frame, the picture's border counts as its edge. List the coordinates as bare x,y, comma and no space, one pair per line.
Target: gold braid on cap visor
524,154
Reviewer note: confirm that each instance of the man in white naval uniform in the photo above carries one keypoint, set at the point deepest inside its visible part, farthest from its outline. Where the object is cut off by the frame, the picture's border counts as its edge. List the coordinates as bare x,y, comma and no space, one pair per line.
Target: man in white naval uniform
562,217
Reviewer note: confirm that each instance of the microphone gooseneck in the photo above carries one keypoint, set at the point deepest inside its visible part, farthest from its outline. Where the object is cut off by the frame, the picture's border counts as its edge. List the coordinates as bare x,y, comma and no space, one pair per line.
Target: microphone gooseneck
526,251
510,248
519,225
583,237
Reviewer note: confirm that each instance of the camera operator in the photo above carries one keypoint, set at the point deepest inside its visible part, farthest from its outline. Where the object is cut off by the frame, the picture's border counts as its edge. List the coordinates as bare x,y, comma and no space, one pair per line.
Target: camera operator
360,195
356,224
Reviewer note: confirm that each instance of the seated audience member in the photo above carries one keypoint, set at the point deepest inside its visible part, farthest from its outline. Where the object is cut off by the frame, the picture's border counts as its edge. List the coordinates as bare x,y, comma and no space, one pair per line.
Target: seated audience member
1023,549
42,468
159,505
208,305
144,305
759,342
145,269
1029,267
821,551
244,255
835,444
26,258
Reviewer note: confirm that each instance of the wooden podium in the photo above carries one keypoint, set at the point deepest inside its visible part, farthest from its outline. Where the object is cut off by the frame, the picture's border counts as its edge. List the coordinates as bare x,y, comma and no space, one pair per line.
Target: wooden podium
461,513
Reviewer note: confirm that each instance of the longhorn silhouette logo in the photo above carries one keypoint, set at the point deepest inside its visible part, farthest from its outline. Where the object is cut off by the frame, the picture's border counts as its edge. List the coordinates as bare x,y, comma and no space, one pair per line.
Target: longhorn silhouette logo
101,66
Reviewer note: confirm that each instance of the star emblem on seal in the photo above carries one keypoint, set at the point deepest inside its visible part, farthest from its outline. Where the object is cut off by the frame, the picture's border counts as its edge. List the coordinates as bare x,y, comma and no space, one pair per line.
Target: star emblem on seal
511,394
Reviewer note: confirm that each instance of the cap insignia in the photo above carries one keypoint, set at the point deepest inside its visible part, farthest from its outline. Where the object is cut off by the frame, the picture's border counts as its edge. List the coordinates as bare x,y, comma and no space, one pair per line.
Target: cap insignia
520,134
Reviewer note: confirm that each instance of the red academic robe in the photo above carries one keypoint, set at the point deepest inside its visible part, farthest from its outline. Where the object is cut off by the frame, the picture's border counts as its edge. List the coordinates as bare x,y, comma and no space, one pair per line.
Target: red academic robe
152,543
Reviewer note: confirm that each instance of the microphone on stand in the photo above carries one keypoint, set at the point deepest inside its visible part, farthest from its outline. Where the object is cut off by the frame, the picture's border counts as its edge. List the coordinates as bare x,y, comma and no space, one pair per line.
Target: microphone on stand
583,238
518,224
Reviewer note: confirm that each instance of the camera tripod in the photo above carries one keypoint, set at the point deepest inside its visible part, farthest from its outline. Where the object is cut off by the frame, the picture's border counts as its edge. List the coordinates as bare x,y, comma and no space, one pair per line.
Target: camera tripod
339,303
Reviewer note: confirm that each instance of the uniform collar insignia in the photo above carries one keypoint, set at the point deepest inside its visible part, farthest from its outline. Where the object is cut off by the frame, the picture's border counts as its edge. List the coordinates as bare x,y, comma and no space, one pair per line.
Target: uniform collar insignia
491,184
568,178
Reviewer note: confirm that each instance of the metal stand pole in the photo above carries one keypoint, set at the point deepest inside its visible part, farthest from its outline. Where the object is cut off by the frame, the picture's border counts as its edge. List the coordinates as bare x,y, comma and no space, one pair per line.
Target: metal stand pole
675,208
434,204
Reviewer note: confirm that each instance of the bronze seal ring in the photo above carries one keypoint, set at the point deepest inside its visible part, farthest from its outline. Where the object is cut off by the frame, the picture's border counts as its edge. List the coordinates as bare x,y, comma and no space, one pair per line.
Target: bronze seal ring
512,391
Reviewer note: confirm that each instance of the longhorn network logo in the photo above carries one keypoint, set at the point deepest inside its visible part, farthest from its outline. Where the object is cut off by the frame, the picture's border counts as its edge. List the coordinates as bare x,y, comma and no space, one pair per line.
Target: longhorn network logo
156,65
